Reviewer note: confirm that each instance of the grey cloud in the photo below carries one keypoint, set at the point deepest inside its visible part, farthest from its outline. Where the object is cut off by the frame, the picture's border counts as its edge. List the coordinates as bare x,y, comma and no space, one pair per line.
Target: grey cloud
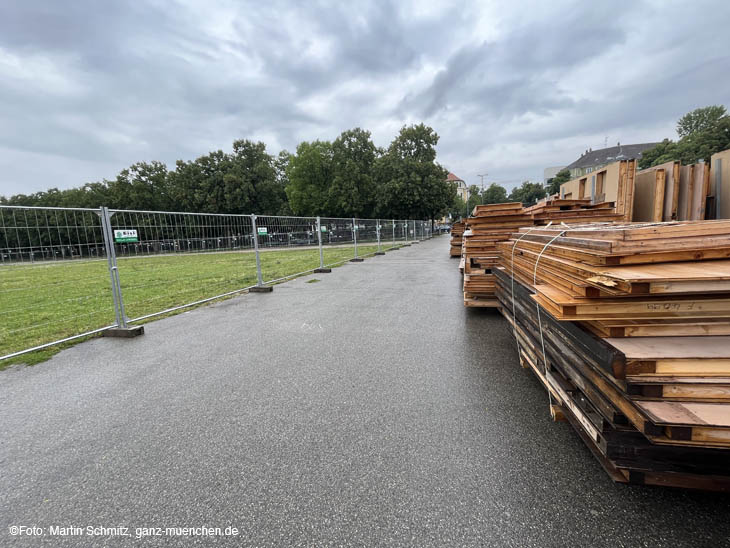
101,85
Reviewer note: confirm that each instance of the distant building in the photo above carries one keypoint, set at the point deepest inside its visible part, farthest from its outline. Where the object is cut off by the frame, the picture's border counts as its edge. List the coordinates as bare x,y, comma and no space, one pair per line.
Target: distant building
591,160
461,189
550,172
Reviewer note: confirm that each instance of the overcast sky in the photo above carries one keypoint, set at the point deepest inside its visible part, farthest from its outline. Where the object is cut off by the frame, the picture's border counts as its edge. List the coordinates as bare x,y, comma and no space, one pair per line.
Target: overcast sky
90,87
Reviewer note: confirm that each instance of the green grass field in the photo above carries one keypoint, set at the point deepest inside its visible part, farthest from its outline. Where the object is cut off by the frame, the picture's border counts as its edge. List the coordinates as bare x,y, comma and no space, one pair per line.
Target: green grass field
44,302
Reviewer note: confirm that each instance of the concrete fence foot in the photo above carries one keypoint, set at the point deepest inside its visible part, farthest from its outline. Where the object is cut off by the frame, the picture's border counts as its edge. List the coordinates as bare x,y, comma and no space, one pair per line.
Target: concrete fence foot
124,332
261,289
323,270
356,260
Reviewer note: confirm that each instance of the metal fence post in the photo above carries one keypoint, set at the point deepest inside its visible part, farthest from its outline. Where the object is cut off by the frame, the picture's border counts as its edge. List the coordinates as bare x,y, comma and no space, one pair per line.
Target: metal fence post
260,287
122,329
377,232
415,232
321,268
356,259
392,222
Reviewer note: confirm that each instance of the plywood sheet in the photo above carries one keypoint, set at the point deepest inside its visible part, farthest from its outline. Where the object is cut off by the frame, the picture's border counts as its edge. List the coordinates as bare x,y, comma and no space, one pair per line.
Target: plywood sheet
684,201
687,413
649,195
671,188
655,348
720,183
700,189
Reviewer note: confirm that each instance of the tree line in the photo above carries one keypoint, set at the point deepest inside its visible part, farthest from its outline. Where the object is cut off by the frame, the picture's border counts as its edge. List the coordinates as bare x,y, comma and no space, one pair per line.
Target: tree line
347,177
528,193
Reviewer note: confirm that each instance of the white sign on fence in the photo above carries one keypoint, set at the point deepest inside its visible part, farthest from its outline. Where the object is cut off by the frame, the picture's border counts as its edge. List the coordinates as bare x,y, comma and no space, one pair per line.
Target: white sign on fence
123,236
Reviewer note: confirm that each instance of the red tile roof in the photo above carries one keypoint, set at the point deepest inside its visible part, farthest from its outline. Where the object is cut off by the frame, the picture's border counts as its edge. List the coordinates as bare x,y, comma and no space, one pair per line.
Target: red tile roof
452,177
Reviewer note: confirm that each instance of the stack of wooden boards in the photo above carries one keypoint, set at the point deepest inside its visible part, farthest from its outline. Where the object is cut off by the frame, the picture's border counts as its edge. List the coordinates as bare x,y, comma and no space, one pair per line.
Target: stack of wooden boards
494,223
488,225
457,231
628,328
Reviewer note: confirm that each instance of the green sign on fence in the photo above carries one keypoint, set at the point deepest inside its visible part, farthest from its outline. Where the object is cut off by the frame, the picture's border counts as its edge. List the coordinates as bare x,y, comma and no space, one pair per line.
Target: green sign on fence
262,230
125,236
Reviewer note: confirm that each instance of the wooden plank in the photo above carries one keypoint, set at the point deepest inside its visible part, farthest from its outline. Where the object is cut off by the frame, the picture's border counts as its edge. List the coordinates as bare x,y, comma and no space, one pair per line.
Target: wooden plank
715,415
657,348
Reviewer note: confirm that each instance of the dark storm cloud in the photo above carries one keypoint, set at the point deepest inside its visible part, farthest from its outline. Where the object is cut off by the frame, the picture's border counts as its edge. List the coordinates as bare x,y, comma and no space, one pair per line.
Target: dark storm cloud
88,87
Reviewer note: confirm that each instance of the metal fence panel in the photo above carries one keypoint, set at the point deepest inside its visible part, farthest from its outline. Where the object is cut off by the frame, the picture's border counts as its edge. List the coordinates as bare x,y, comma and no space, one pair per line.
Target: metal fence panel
176,260
70,272
54,280
289,246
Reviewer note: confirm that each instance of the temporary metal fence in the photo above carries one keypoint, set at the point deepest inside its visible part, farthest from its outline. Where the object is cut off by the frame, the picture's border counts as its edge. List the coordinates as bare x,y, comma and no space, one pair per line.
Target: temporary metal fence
67,273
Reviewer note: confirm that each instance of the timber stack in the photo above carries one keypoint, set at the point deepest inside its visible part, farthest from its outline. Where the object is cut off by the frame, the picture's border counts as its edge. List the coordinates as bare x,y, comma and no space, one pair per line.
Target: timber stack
628,328
457,231
488,225
494,223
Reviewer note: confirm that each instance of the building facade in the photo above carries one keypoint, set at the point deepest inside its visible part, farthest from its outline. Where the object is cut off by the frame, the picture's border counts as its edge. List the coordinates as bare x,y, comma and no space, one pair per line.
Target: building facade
592,160
461,189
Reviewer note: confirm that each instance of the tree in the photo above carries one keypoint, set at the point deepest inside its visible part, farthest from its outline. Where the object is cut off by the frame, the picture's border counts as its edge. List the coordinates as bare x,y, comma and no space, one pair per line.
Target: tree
281,163
310,173
703,132
199,185
528,193
352,191
141,186
700,119
663,152
251,183
494,194
458,208
475,198
562,176
410,184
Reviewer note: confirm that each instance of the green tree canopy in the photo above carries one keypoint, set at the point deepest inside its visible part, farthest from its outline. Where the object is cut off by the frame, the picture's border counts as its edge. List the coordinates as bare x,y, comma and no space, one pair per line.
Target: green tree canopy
528,193
309,173
352,190
562,176
702,133
494,194
410,182
475,198
458,208
700,119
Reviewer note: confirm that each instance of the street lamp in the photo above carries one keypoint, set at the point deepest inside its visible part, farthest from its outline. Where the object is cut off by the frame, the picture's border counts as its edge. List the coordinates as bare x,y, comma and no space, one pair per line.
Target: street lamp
481,194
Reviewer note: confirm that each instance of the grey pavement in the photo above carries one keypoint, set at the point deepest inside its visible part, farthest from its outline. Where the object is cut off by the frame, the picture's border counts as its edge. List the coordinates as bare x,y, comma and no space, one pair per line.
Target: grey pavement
367,409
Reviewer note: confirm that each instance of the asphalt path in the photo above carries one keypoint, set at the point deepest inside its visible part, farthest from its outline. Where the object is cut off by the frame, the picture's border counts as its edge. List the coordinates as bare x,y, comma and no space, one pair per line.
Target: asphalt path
369,408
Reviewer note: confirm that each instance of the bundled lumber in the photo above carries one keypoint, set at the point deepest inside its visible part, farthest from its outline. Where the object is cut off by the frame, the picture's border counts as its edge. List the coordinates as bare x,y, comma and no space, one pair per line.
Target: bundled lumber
488,225
457,231
628,328
494,223
572,211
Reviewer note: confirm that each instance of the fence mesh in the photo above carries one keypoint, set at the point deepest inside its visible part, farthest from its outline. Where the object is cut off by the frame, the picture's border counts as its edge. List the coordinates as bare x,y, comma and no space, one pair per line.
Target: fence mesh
54,280
181,258
58,265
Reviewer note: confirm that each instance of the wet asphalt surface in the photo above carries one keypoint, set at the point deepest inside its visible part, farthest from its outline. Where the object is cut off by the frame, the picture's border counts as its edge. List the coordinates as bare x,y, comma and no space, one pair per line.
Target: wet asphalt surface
367,409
